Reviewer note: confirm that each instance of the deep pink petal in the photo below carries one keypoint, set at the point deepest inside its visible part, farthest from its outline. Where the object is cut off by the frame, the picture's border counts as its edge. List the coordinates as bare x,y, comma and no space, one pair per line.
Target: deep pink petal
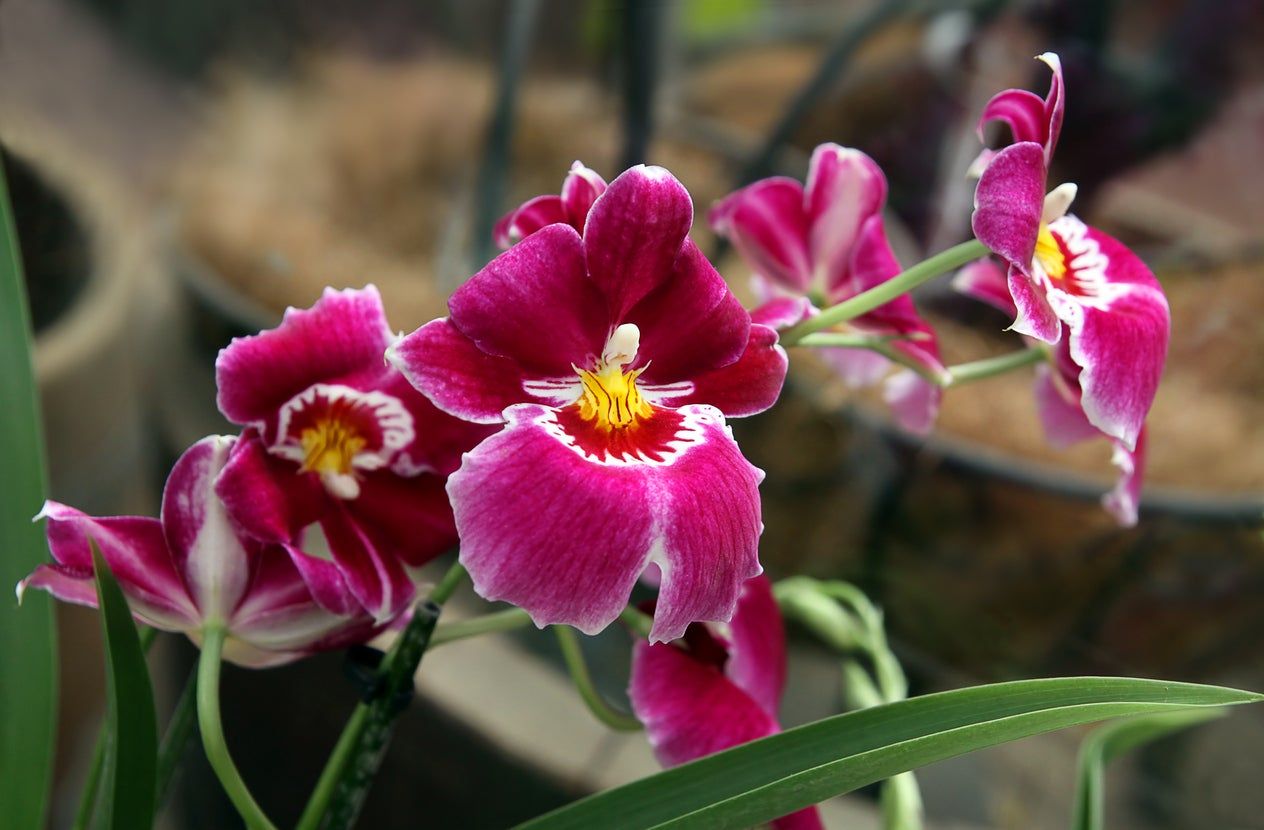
440,438
580,189
1008,203
325,581
1022,111
757,645
858,368
634,233
1036,317
1058,405
136,551
748,386
1055,103
985,280
845,188
914,401
374,575
528,218
1123,501
535,305
690,324
767,223
406,518
783,312
461,379
344,332
204,545
547,530
268,496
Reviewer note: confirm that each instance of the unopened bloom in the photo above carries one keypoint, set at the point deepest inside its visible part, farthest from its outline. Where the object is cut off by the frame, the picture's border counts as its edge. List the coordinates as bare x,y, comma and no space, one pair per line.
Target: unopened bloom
614,358
1063,273
195,568
1060,399
826,241
720,686
580,189
337,437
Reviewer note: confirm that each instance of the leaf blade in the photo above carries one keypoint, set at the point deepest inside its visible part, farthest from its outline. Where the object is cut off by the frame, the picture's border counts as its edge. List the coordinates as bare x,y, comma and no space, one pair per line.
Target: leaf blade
132,763
28,642
774,776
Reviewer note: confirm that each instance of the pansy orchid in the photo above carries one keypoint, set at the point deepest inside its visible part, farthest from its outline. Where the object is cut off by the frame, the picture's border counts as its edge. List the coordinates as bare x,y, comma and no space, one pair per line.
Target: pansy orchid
1064,274
337,437
613,357
1059,397
195,567
824,242
718,687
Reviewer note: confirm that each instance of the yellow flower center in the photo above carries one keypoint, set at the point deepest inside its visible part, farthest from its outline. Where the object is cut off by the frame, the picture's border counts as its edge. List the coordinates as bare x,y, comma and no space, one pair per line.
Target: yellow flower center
330,446
610,398
1049,253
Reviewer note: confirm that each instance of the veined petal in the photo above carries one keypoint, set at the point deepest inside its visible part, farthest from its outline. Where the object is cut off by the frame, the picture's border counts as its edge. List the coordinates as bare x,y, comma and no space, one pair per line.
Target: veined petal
845,188
535,305
745,387
1022,111
1058,405
457,376
441,438
268,496
768,224
343,333
757,645
783,312
136,551
1123,501
690,324
376,577
1119,327
1036,317
409,518
634,233
1009,201
985,280
204,546
580,189
914,401
528,218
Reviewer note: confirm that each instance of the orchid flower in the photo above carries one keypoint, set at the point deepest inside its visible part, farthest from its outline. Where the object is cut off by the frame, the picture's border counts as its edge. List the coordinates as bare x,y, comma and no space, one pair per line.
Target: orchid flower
195,568
1063,273
336,437
1060,398
826,241
719,687
580,189
613,357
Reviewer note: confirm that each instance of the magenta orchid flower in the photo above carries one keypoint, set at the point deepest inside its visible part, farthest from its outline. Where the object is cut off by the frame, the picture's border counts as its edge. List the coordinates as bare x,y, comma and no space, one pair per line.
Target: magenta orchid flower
580,189
826,241
1063,273
336,437
1060,398
195,567
719,687
613,357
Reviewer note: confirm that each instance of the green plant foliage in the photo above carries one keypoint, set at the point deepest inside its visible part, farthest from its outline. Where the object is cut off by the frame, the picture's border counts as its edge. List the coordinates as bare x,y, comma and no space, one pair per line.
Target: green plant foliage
764,779
28,645
132,761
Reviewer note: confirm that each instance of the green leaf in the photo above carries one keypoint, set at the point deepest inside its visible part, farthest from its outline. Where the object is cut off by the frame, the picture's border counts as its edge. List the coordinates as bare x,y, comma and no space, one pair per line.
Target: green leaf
132,763
764,779
28,643
1113,740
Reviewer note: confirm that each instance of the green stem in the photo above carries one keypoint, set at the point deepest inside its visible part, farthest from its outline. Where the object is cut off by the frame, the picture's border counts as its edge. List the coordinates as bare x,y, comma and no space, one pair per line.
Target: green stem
898,285
637,620
574,657
344,782
993,366
92,781
506,620
213,732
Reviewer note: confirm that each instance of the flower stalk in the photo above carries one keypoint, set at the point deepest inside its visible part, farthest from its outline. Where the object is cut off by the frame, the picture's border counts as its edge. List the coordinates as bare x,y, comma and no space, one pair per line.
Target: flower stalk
574,657
898,285
506,620
993,366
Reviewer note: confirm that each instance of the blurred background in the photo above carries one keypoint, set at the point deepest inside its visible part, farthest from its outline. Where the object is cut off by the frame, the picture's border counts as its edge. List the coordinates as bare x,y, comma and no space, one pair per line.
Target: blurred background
181,172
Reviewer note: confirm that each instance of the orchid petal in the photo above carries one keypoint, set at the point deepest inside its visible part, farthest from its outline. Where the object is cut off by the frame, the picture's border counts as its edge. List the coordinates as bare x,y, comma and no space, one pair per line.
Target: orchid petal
757,645
748,386
1036,317
528,218
1123,501
634,233
1022,111
1058,406
376,577
535,304
783,312
914,401
844,189
986,281
1009,201
580,189
768,225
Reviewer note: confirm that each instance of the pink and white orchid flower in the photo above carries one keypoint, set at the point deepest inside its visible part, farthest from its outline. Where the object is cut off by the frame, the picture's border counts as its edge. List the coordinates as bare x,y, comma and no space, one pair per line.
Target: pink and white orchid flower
1063,273
826,241
1060,398
719,687
337,437
580,189
195,567
613,357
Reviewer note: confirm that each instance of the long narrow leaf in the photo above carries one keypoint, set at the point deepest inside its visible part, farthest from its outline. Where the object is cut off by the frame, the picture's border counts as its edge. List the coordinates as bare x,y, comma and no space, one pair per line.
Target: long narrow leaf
1113,740
28,645
759,781
132,763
